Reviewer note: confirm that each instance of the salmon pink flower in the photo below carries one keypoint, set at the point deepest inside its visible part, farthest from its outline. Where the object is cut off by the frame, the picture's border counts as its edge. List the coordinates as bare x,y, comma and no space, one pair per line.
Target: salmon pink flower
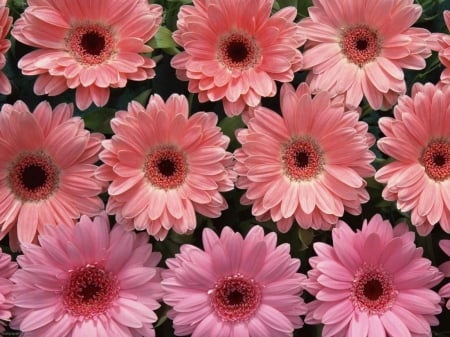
46,169
235,287
306,165
89,46
445,268
360,47
7,269
444,50
374,282
165,165
87,281
418,139
5,25
234,51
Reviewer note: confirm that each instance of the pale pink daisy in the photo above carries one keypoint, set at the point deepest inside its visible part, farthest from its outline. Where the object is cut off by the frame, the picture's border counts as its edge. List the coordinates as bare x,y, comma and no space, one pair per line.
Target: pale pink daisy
87,281
234,50
444,50
360,47
7,269
445,268
5,25
418,139
89,46
234,287
372,283
165,165
306,165
46,169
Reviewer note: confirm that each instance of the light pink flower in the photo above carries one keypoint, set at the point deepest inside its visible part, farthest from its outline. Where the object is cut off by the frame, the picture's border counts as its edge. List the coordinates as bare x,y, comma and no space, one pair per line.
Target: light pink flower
5,25
306,165
418,139
374,282
361,47
88,46
165,165
87,281
7,269
46,169
235,287
445,268
234,50
444,50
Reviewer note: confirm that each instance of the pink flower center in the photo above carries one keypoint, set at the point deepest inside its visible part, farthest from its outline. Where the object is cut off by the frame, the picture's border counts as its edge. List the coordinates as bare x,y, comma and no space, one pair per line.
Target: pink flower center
238,50
33,176
436,159
166,168
235,298
90,291
360,44
302,159
90,44
372,290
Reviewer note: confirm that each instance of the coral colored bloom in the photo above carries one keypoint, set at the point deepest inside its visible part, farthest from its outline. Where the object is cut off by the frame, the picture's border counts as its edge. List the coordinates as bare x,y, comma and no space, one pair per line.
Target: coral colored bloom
7,269
235,287
234,50
445,268
89,46
418,139
46,169
374,282
444,50
307,165
87,281
5,25
361,46
165,166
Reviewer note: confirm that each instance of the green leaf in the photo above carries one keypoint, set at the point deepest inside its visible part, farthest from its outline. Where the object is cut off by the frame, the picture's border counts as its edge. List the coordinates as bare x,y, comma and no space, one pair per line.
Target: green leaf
163,39
99,120
306,237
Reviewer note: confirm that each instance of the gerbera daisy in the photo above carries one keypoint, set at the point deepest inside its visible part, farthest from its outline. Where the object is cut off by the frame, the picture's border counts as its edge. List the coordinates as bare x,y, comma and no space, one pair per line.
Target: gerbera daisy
445,268
89,46
165,166
234,50
374,282
361,46
87,281
418,139
235,287
307,164
46,169
5,25
7,269
444,51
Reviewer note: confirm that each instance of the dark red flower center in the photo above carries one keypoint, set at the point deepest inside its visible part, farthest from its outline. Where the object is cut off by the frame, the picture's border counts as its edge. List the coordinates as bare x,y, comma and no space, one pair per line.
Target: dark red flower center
235,298
238,50
360,44
436,159
90,44
166,168
33,176
302,159
90,291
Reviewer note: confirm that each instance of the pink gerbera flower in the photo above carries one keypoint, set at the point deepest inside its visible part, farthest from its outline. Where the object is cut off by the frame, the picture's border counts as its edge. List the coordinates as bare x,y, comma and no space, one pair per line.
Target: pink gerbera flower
444,50
87,281
235,287
234,51
46,169
306,165
374,282
89,46
445,268
7,269
165,166
418,139
5,25
360,47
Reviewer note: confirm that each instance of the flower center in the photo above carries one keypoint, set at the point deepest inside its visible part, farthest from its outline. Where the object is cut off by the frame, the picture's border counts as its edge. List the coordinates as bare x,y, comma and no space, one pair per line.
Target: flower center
238,50
360,44
90,44
235,298
90,291
436,159
302,159
33,176
372,290
166,167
